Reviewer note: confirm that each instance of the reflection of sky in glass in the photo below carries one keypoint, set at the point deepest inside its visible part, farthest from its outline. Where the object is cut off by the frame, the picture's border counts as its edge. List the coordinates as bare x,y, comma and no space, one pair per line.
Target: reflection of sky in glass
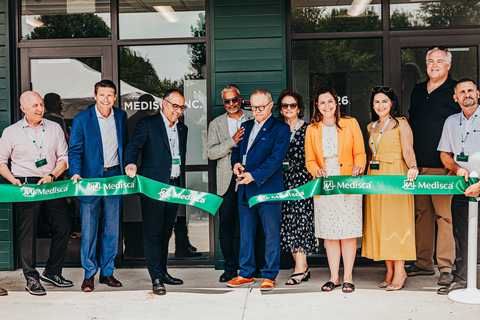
170,61
154,25
376,7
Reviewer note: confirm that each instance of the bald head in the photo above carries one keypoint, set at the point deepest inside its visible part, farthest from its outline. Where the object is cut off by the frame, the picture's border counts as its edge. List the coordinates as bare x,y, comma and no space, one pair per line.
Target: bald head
32,105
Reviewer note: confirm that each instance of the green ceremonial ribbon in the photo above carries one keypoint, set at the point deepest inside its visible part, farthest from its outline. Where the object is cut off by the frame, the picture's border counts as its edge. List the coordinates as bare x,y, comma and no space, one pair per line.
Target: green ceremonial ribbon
369,185
117,185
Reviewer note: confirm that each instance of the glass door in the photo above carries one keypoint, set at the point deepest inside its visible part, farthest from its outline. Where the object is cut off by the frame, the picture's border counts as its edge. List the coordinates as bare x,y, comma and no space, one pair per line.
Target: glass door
64,78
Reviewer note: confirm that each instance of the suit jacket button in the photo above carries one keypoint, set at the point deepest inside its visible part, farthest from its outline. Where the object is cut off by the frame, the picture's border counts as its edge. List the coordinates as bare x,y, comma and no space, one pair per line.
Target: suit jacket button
99,175
101,163
340,164
170,169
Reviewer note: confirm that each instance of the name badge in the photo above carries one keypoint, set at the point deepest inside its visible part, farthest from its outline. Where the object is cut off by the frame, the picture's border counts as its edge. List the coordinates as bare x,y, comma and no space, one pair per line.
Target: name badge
374,165
41,162
176,160
285,166
462,157
244,161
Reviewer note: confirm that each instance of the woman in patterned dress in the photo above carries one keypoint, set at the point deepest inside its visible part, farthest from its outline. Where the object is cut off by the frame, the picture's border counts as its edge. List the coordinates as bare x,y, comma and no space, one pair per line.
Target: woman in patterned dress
297,231
334,146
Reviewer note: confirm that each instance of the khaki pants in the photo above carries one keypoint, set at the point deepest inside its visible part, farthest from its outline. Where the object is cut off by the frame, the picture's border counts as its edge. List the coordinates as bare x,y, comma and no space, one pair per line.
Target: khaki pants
428,210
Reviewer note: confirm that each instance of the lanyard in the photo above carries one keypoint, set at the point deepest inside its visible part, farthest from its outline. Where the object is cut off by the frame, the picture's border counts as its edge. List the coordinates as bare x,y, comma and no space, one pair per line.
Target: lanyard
173,141
468,126
294,131
379,136
33,140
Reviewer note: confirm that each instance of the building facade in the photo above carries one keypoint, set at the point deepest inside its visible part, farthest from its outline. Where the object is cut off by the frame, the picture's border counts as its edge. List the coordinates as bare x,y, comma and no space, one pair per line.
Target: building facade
198,46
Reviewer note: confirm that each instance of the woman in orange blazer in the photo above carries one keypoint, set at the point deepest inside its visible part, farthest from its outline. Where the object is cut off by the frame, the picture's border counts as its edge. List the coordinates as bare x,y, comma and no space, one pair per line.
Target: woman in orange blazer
334,146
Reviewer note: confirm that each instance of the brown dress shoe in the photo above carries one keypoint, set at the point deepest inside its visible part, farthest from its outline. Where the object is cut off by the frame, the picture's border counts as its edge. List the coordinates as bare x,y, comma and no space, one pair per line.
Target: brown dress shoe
88,285
110,281
3,292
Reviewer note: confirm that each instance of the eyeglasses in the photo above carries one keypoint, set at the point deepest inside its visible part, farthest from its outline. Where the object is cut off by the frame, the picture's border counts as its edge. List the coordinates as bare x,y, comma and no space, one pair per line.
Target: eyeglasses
439,48
261,108
291,106
228,101
176,106
382,88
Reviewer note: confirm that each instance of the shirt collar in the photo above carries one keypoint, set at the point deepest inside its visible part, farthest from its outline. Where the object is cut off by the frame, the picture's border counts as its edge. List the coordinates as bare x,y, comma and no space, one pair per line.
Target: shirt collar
25,122
477,112
166,121
99,115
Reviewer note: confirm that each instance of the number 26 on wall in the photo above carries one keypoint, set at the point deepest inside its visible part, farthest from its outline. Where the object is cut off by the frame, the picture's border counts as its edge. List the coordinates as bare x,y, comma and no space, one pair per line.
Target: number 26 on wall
343,100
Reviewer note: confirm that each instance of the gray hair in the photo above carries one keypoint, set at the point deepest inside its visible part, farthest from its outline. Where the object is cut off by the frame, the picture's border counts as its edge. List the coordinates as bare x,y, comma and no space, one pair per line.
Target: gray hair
448,54
231,87
263,92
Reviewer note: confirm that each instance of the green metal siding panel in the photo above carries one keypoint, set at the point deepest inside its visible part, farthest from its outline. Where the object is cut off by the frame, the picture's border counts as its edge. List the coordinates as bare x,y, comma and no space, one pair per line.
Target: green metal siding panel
248,49
6,217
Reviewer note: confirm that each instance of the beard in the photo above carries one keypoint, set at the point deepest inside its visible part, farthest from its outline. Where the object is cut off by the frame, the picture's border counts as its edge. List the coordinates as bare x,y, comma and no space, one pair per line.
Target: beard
233,109
468,102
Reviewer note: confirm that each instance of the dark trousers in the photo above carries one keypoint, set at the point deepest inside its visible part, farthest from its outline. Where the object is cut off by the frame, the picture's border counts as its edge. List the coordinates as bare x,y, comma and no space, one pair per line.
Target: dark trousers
59,218
460,232
228,214
271,216
158,220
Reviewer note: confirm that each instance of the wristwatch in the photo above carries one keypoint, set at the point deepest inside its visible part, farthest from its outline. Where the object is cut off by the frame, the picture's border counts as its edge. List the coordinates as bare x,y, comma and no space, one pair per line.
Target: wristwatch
414,167
53,177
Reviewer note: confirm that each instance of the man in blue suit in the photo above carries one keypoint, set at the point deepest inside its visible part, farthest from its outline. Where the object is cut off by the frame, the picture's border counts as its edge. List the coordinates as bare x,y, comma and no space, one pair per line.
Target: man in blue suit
98,139
162,140
257,162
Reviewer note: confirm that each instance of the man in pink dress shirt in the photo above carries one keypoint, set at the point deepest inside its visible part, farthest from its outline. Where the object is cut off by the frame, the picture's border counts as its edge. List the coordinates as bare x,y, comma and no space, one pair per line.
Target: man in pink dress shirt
38,153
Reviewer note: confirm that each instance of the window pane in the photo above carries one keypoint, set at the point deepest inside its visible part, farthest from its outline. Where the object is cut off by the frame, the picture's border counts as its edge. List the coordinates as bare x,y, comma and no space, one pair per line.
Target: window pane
417,14
60,19
350,66
155,69
315,16
414,69
145,19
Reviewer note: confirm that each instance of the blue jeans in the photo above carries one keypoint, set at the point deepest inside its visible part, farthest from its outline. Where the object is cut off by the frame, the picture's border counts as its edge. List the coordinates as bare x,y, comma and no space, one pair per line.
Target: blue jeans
109,223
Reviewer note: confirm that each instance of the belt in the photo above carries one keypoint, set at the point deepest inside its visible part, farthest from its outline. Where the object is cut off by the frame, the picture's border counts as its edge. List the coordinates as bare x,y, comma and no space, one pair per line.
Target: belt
31,180
111,168
174,178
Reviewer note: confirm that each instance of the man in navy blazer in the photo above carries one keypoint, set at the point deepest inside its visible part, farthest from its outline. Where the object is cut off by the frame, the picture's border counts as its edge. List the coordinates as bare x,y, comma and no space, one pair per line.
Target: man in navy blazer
162,140
257,161
98,139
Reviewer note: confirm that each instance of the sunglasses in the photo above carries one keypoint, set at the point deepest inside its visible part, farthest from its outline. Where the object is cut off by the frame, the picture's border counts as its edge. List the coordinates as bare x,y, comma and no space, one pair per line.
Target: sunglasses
382,88
439,48
175,106
291,106
228,101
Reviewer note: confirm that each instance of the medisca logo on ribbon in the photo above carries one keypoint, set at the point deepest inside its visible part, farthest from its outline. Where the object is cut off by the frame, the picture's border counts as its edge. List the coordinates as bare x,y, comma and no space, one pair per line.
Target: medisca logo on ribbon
94,186
328,185
32,192
170,192
410,185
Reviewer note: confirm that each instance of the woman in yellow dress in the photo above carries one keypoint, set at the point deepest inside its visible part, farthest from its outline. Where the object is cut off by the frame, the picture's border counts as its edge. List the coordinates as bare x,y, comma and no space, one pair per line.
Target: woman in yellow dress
389,222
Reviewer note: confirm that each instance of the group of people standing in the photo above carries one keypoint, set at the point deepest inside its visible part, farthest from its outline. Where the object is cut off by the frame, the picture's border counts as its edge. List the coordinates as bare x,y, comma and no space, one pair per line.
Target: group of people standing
254,155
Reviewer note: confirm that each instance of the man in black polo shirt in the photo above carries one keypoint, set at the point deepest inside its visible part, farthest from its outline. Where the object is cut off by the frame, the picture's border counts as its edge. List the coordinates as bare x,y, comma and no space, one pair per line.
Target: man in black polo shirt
431,103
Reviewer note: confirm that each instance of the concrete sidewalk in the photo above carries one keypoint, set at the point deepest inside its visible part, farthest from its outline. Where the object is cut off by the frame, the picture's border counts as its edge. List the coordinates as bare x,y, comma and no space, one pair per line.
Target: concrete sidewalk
203,297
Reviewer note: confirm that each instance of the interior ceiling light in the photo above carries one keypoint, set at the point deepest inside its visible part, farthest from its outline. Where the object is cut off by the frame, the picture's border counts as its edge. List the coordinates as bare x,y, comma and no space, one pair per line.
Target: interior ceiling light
168,13
358,7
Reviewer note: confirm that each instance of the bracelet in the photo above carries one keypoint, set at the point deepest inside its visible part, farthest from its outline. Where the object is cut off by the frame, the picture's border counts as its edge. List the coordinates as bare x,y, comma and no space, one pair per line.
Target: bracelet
53,177
414,167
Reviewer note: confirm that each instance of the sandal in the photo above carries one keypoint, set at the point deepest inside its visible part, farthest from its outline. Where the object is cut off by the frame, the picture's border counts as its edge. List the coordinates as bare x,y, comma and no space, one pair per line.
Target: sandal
348,285
296,280
330,285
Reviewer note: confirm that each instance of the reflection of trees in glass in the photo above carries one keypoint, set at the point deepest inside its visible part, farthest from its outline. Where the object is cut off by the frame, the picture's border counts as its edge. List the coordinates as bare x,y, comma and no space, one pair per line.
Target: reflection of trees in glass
85,25
352,66
317,19
140,73
438,14
198,55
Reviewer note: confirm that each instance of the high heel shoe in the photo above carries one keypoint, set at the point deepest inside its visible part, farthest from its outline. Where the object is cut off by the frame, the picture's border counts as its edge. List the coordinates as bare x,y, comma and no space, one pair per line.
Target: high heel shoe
391,287
384,284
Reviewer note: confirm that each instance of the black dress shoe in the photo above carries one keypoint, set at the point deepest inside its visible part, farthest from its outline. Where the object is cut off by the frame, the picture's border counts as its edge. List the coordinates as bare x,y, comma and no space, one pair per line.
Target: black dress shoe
228,275
158,287
168,279
192,248
452,286
3,292
35,288
187,253
56,280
